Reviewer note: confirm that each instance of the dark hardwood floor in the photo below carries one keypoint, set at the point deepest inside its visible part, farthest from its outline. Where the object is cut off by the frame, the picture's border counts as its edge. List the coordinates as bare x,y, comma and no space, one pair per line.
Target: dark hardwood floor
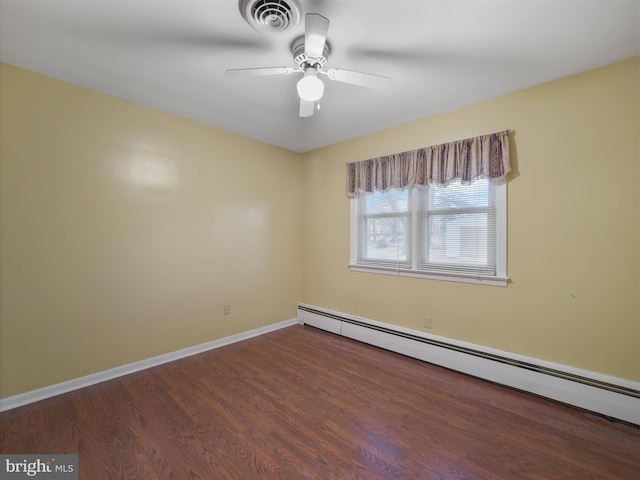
300,403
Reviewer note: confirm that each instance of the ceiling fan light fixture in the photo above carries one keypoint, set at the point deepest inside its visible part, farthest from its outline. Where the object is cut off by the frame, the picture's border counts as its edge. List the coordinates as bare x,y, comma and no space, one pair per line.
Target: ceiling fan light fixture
310,87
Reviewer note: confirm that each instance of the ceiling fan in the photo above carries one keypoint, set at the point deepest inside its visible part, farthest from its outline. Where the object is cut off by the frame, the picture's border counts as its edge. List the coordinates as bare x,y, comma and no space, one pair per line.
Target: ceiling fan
310,53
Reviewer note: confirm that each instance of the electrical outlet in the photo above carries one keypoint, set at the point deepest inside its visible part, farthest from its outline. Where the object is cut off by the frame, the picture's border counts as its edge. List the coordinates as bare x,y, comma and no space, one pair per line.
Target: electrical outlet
427,321
227,309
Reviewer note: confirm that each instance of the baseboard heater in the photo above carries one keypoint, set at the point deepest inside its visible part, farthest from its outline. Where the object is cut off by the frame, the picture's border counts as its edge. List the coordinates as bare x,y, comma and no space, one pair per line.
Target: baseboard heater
609,396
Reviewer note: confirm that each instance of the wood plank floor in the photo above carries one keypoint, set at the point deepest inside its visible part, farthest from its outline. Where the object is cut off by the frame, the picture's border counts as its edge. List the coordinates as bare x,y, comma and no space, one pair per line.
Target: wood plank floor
300,403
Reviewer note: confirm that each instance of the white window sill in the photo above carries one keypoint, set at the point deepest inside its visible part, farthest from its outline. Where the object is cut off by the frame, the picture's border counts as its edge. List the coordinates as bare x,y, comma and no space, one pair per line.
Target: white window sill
496,281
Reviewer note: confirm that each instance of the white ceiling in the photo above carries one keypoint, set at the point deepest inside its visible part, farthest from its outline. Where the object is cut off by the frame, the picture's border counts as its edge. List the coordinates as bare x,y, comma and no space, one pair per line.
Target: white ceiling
171,55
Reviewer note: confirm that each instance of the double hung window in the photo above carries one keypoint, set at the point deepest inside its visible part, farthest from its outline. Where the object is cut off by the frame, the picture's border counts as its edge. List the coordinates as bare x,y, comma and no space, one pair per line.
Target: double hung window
455,232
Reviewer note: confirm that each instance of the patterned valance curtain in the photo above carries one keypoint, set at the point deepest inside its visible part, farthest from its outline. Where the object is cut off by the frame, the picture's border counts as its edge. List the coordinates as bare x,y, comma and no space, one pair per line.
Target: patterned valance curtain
486,156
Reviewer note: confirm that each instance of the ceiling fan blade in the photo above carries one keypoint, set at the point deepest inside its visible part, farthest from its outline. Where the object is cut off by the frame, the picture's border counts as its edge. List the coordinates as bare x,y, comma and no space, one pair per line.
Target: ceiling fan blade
358,78
315,34
307,108
177,35
260,72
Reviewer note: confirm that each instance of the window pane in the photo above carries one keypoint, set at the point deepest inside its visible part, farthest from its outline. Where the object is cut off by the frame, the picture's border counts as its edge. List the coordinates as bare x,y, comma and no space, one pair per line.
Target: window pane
456,195
386,239
385,228
387,202
459,239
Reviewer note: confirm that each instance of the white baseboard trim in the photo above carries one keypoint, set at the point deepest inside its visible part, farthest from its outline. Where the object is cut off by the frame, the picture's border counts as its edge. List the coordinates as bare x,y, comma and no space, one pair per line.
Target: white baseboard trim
610,396
15,401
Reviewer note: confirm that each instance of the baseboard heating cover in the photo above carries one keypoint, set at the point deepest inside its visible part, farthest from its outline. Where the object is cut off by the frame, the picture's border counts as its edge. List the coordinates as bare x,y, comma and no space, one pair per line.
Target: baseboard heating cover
609,396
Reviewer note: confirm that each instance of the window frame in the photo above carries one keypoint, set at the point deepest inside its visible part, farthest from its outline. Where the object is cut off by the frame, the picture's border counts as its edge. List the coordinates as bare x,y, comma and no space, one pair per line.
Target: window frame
499,279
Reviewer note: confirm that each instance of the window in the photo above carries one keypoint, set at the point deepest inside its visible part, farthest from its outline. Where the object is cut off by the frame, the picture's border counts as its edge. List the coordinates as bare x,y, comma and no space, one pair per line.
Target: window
454,232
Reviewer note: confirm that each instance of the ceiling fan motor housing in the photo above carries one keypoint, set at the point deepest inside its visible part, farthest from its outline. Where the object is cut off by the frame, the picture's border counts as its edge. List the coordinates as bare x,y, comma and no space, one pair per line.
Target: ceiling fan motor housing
271,16
302,60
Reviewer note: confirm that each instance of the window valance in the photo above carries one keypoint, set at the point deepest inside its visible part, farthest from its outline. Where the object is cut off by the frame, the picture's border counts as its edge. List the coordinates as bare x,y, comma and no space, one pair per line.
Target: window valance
486,156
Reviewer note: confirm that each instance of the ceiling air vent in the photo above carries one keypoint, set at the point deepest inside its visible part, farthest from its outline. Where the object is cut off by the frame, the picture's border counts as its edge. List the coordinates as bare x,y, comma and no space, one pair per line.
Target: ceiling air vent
271,15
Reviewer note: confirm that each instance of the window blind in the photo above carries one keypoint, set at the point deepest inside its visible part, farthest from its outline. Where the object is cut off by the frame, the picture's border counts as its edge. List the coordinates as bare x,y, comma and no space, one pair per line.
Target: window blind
458,228
385,228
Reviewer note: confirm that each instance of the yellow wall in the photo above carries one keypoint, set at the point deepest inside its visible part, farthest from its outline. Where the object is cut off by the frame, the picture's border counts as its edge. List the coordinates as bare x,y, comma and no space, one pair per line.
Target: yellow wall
124,231
573,227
